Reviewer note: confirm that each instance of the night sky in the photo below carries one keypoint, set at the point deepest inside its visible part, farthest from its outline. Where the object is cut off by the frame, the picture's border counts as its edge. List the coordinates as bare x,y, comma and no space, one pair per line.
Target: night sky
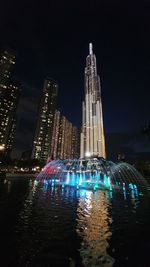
51,40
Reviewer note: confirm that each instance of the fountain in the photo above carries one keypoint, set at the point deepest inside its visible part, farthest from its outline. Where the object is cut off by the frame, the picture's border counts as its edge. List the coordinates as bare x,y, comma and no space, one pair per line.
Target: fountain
93,173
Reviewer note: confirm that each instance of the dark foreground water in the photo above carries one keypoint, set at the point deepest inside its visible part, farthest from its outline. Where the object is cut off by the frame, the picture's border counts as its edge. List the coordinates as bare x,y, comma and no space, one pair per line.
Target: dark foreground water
51,226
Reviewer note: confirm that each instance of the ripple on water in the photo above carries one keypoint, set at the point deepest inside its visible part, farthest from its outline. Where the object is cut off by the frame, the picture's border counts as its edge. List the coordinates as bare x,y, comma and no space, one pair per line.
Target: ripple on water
93,226
67,227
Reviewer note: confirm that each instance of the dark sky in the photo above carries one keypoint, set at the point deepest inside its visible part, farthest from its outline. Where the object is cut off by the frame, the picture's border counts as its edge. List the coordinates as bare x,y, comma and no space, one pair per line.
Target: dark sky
51,39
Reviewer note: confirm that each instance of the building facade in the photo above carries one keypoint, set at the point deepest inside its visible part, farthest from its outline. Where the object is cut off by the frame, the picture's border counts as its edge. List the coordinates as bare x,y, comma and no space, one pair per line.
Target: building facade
44,128
9,96
65,139
55,136
75,143
92,141
7,62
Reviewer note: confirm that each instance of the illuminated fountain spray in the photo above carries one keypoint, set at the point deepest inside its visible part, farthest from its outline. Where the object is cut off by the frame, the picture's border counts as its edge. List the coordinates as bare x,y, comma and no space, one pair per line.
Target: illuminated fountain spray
89,173
93,173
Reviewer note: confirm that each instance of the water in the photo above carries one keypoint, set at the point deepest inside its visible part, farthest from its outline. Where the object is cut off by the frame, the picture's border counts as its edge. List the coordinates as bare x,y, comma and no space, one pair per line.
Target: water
93,173
46,225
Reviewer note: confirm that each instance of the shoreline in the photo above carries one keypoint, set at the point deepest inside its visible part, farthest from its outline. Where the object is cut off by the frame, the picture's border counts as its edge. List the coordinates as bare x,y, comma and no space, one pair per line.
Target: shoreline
21,175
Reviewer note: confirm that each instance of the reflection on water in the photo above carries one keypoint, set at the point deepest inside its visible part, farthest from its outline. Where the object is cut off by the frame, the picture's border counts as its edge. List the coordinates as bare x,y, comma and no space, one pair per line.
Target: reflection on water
9,184
45,204
47,221
43,224
93,226
26,246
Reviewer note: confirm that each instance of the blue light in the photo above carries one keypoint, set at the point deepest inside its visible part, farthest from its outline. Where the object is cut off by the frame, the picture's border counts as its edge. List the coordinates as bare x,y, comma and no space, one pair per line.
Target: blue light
111,194
82,193
80,179
68,178
73,179
131,186
52,187
124,193
136,191
94,188
106,183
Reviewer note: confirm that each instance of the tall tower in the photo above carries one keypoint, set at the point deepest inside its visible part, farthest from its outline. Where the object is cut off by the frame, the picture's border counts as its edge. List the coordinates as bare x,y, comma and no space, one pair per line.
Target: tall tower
92,141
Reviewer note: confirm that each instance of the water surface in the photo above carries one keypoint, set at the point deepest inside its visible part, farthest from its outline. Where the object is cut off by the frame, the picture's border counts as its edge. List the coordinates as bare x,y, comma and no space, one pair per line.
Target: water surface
45,225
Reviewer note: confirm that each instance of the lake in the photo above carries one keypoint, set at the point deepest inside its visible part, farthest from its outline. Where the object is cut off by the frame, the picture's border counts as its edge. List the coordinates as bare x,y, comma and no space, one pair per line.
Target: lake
45,225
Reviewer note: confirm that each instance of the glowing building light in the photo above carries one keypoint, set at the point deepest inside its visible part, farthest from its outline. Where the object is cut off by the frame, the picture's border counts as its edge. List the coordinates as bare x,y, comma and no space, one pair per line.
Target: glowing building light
87,154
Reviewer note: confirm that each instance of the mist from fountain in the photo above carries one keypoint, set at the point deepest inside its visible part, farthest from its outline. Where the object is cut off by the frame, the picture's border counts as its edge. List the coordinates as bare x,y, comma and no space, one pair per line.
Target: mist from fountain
93,173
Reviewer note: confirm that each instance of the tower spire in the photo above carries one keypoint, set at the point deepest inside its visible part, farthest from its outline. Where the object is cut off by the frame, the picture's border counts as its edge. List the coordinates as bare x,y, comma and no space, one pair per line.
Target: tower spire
90,49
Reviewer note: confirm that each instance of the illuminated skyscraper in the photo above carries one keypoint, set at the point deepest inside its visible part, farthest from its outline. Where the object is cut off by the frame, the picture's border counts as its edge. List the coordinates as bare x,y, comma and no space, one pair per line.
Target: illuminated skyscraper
92,136
7,62
75,143
9,95
44,128
65,139
55,135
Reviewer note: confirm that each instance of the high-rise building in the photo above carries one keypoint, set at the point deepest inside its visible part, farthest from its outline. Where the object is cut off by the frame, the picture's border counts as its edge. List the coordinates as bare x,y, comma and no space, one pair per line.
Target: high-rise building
92,135
65,139
7,62
9,95
44,128
61,138
75,143
55,135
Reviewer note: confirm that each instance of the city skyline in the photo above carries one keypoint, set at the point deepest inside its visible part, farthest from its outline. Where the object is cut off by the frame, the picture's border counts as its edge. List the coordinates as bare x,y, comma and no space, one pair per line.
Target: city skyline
75,133
47,46
108,145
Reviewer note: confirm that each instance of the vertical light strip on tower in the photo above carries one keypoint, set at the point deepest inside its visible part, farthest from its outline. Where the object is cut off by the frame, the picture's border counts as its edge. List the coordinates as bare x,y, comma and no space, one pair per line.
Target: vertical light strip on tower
92,134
